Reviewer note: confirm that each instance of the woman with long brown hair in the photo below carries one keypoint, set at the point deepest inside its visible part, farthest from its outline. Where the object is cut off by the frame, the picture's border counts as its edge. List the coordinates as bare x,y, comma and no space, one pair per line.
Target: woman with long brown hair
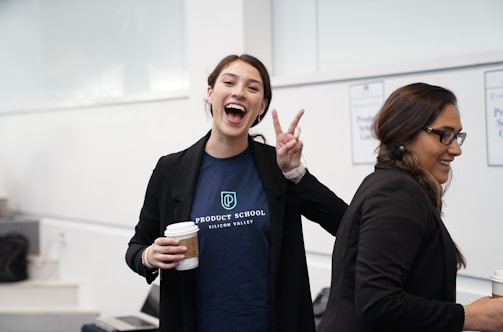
394,263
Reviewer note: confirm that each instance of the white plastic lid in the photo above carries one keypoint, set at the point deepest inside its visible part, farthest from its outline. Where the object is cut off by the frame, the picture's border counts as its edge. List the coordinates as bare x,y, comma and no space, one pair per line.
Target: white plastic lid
181,229
497,276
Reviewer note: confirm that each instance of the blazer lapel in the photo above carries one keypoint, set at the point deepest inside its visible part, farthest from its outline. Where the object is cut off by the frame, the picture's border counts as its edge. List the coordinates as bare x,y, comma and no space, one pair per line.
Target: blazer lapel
275,188
186,178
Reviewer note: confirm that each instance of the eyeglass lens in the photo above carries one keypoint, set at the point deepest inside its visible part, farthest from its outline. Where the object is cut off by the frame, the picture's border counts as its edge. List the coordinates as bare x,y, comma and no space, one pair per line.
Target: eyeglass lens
449,136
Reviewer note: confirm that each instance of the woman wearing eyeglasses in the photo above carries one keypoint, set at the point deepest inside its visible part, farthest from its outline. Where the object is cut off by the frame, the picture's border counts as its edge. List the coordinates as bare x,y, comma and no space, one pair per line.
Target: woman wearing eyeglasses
394,263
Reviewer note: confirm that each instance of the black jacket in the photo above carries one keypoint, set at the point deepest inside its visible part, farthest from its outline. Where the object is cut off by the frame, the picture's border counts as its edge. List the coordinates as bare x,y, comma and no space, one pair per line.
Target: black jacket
394,263
169,198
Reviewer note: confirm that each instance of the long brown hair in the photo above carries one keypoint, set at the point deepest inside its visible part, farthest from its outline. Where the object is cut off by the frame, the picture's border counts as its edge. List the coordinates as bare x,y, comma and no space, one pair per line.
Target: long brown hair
405,113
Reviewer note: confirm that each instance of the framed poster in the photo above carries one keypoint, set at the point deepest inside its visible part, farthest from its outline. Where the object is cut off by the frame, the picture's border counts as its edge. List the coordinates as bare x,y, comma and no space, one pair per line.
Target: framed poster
365,100
494,116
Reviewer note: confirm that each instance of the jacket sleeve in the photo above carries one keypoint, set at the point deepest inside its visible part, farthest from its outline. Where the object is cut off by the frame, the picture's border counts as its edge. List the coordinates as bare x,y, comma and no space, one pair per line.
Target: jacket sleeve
319,203
147,228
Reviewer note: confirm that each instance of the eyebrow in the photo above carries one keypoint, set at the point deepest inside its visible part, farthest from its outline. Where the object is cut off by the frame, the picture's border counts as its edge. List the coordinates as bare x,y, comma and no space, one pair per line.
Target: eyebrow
451,128
236,76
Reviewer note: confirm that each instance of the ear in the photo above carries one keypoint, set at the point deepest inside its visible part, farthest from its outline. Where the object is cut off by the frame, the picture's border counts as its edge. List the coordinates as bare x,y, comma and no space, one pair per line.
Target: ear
265,102
209,94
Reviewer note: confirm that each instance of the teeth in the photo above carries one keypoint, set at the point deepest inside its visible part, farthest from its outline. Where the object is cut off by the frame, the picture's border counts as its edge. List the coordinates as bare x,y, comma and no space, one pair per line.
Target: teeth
443,162
236,106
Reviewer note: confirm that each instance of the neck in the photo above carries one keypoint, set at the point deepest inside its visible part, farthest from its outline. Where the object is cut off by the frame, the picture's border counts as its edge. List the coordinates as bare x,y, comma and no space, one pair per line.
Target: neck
225,147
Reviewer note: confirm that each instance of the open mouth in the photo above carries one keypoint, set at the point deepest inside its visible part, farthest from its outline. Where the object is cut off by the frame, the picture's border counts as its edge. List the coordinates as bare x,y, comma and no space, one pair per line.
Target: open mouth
235,111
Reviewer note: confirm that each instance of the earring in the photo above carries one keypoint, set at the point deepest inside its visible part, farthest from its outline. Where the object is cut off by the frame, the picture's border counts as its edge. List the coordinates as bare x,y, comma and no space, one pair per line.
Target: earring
258,119
401,148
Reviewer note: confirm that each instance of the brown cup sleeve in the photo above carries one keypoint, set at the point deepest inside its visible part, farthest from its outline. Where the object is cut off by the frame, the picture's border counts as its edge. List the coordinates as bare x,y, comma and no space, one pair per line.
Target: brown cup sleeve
192,247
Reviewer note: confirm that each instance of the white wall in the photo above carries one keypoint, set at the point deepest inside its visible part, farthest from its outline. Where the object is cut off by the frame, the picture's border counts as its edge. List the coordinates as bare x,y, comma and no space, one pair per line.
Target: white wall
342,34
84,171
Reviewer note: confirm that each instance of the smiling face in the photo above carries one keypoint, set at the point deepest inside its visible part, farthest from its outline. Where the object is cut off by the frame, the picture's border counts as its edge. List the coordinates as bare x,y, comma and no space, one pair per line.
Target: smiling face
237,99
435,157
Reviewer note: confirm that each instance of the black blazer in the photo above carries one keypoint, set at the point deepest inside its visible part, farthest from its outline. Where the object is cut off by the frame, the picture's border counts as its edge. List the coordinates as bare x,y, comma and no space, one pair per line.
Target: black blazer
394,263
168,199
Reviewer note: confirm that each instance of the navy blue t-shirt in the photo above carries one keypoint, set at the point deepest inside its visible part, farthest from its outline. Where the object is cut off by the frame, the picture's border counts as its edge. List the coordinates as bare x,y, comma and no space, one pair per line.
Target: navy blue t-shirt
232,280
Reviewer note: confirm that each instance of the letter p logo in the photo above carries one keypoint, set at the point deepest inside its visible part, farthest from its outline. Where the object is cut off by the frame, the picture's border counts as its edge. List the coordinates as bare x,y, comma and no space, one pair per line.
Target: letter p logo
228,199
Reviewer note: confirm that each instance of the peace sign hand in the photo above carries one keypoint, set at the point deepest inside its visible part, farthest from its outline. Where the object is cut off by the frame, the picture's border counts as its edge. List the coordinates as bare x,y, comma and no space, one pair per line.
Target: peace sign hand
288,146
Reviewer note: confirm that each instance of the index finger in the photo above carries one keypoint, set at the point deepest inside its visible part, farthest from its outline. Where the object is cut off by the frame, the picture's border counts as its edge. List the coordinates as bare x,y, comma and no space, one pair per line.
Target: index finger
166,241
277,125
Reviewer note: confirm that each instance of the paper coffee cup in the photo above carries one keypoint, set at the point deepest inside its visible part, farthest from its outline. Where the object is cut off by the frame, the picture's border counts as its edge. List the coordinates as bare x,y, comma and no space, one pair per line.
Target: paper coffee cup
497,283
186,232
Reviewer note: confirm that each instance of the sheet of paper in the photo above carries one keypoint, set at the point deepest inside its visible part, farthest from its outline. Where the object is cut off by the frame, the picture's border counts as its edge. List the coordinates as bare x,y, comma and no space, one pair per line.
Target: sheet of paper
365,101
494,117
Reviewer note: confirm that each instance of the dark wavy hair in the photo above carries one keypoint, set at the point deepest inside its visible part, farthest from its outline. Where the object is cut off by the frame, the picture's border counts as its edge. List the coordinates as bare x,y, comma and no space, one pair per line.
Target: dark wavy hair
403,116
254,62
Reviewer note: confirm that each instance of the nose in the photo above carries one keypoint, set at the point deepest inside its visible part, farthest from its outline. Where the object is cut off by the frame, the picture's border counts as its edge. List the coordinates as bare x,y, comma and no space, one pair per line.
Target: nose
455,148
238,90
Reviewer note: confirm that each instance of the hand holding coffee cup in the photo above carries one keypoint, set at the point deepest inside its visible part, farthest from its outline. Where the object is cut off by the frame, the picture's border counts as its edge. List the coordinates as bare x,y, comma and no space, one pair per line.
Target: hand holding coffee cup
186,233
497,283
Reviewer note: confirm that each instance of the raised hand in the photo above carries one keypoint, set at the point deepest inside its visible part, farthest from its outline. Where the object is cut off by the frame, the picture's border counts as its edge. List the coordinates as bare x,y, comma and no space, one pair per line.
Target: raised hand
288,145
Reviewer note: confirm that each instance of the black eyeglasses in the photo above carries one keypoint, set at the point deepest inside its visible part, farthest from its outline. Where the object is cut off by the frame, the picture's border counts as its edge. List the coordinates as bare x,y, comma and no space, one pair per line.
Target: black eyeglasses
447,136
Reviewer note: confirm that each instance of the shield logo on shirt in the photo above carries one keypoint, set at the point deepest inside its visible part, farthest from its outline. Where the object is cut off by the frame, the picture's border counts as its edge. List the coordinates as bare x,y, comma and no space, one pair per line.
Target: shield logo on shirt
228,199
